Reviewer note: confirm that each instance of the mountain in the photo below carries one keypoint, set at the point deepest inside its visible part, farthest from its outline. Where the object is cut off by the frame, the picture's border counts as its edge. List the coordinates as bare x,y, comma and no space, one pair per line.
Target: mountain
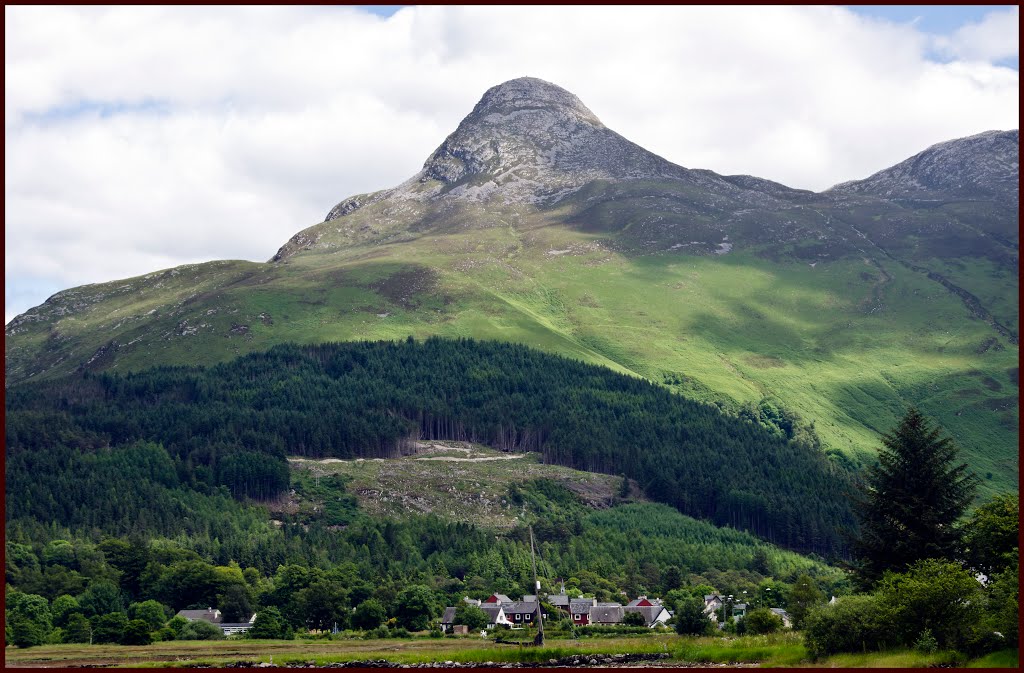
535,223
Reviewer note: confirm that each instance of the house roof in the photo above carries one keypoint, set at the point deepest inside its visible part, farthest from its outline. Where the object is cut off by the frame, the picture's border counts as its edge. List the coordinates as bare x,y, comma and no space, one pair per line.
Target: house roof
641,601
606,614
558,600
493,611
650,612
449,616
579,605
498,598
780,612
521,607
739,606
529,598
207,615
471,601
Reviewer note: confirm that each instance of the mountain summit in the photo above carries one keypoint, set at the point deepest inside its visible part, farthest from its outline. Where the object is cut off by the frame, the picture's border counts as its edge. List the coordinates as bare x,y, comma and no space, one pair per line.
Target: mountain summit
526,141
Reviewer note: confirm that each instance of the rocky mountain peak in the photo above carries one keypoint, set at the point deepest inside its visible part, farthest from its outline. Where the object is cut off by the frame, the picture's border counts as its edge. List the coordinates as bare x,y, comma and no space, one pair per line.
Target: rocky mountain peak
526,141
985,165
530,93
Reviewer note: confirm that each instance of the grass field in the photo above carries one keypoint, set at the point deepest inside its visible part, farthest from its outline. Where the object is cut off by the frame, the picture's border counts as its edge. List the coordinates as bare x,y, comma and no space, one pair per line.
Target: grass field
781,650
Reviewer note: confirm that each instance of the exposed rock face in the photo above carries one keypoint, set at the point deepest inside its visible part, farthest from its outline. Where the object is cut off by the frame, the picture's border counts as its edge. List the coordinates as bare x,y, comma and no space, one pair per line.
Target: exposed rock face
986,165
526,141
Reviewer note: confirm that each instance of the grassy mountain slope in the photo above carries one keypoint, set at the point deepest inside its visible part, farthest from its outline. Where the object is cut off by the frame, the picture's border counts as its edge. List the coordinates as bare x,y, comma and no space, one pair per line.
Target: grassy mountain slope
846,344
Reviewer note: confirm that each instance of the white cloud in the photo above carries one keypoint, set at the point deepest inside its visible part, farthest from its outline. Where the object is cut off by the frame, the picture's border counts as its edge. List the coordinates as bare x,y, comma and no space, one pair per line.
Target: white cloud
141,138
995,38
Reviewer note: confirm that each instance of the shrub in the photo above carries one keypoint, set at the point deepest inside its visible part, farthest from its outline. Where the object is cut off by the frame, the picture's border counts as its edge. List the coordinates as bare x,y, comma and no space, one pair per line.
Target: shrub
851,624
109,628
136,633
200,630
690,618
761,621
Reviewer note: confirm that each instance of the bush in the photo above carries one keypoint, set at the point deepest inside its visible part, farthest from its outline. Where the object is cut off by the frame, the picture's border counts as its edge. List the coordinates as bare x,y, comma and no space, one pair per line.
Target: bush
369,615
200,630
761,621
926,642
109,628
936,595
634,619
690,618
136,633
851,624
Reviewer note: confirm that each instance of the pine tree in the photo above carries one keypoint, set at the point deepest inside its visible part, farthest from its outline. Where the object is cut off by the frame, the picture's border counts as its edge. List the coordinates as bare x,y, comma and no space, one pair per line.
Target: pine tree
910,500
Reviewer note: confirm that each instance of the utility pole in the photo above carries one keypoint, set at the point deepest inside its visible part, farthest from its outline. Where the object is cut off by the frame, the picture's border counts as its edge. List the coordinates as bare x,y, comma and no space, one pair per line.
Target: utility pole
539,640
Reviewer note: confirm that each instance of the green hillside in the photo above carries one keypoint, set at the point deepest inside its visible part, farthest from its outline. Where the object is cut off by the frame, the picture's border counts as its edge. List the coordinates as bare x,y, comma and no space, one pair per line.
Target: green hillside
844,344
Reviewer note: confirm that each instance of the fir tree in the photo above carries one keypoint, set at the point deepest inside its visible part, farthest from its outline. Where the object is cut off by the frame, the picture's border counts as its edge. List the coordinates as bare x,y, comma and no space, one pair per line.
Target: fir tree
911,500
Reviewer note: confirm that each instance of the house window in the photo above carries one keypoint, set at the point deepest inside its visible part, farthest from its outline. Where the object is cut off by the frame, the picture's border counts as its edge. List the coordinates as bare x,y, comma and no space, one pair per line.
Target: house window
528,617
519,618
577,617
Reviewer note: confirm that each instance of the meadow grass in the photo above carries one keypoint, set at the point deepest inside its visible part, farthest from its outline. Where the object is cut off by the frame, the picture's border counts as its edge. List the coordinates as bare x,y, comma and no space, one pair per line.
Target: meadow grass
776,650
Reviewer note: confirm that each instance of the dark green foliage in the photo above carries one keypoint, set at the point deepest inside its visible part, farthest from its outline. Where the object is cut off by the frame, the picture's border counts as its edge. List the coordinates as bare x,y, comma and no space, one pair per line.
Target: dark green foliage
177,429
153,613
270,625
804,595
62,608
324,604
102,597
690,618
633,619
77,629
136,632
936,595
369,615
235,605
471,616
28,618
109,628
762,620
911,500
991,534
416,606
851,624
1004,607
200,630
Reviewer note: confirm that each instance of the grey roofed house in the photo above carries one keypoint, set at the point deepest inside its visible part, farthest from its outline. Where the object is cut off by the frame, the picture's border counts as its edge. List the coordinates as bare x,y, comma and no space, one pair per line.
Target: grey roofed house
499,599
581,605
471,601
208,615
495,613
529,598
787,622
448,618
559,600
520,612
238,627
606,613
653,614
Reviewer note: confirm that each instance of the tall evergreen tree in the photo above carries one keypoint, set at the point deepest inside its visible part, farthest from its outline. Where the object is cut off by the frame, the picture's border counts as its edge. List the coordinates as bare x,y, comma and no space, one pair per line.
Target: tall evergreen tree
910,500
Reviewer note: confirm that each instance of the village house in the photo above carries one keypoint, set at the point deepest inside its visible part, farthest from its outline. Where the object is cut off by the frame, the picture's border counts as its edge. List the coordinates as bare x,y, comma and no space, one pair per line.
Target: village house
606,613
579,610
216,618
495,615
786,621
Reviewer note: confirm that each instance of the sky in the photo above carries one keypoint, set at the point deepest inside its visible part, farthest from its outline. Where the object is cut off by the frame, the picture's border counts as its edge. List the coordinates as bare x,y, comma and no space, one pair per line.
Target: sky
141,138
